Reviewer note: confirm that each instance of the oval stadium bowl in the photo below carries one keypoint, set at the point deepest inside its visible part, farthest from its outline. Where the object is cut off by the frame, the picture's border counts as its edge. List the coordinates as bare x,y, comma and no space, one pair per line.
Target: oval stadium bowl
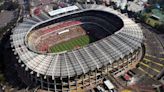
64,52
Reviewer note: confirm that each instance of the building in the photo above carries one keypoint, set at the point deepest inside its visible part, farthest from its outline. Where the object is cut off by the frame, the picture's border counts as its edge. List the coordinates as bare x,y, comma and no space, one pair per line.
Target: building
84,67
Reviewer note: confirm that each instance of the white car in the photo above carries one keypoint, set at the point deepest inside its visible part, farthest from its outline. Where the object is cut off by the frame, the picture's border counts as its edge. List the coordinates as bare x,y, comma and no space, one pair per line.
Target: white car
100,89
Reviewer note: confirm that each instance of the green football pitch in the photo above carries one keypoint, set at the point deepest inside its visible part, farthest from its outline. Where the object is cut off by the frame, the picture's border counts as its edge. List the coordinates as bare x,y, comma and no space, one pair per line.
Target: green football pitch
71,44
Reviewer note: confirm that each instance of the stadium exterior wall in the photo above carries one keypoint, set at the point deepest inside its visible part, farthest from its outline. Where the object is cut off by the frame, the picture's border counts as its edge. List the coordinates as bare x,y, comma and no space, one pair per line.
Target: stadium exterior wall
92,78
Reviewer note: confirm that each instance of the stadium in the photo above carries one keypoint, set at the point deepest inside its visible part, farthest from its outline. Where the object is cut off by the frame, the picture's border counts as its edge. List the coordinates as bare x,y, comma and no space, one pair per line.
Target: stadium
75,49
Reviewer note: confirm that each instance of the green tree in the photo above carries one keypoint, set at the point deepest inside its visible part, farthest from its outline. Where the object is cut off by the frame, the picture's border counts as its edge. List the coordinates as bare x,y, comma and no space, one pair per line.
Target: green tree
160,28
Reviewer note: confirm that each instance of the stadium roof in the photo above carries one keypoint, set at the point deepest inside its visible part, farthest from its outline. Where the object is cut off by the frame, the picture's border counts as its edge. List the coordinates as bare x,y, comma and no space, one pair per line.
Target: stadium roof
109,84
80,61
62,10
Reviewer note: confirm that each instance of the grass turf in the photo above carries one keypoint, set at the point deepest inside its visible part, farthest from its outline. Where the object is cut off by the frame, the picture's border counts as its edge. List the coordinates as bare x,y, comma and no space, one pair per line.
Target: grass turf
71,44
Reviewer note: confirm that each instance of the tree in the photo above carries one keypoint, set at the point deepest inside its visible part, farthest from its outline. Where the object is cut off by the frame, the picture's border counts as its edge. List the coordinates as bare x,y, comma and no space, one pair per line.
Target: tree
160,28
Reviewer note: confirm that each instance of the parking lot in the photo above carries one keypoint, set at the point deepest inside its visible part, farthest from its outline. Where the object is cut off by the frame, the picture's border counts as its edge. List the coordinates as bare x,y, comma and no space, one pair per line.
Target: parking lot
145,75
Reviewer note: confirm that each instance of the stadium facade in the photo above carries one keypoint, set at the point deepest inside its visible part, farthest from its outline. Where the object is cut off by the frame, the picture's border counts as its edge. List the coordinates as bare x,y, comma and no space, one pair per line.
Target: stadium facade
72,70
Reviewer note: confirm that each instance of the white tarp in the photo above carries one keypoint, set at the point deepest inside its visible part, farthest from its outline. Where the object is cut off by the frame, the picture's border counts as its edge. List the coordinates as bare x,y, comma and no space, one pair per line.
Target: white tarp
63,31
109,84
62,10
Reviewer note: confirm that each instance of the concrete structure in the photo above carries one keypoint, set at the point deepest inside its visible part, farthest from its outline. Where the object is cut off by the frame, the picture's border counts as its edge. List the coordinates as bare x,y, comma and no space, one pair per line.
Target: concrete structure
84,67
63,10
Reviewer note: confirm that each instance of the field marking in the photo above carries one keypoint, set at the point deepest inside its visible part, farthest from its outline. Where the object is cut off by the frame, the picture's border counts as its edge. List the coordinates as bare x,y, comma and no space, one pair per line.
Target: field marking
145,72
161,59
161,52
147,60
154,57
150,55
150,67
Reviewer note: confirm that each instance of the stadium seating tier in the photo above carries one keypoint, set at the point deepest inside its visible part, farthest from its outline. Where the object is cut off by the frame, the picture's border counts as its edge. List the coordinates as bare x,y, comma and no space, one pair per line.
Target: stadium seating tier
100,53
